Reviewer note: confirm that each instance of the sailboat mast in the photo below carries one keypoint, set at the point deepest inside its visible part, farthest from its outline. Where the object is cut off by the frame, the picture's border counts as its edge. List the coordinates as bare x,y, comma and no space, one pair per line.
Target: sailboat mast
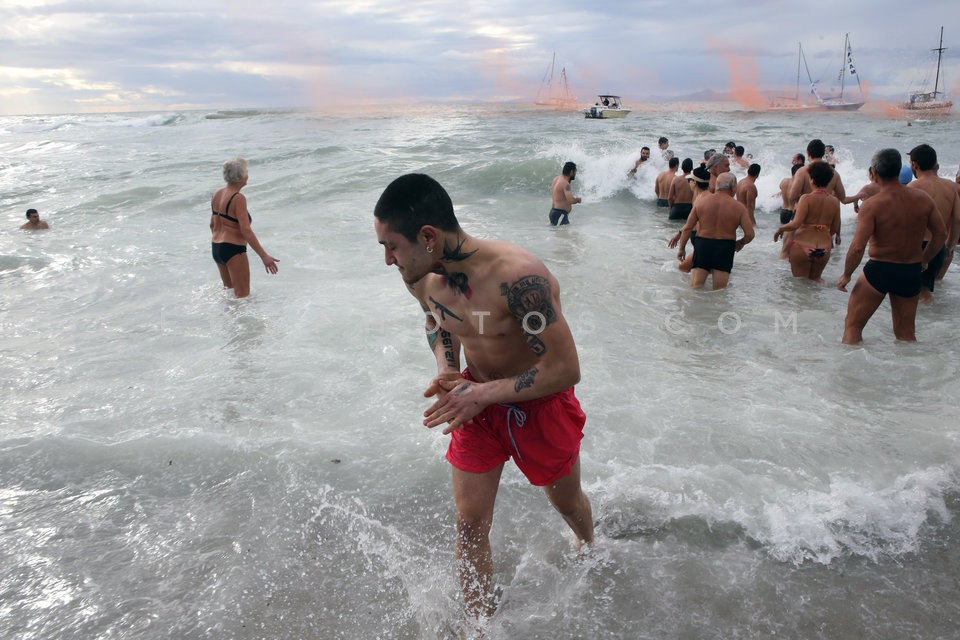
799,53
843,64
939,56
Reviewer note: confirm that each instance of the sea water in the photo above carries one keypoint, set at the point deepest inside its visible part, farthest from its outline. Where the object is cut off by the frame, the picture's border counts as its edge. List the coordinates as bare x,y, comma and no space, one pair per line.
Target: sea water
175,463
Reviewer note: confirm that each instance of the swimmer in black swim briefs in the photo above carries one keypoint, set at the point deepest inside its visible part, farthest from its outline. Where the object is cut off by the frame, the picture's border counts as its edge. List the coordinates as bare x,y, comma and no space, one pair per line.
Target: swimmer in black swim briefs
786,215
559,217
680,210
713,254
895,278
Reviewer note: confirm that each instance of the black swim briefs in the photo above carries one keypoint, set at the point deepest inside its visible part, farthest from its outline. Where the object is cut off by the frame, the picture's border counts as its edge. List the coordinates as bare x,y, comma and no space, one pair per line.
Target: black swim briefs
895,278
713,254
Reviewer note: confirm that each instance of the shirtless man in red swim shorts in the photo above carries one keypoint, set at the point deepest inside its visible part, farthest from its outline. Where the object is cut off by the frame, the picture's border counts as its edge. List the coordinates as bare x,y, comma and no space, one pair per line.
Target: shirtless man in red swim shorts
501,306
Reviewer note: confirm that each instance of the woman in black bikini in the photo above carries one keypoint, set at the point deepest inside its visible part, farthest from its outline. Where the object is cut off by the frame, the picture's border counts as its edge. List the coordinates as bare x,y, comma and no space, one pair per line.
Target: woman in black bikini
230,226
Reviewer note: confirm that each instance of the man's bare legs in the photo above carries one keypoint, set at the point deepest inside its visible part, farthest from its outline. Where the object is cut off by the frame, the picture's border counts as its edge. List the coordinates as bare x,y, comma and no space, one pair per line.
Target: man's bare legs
698,277
904,312
475,495
568,498
720,279
863,303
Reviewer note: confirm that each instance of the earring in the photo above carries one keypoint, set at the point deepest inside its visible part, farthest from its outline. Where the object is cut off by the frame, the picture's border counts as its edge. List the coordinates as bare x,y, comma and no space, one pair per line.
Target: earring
429,249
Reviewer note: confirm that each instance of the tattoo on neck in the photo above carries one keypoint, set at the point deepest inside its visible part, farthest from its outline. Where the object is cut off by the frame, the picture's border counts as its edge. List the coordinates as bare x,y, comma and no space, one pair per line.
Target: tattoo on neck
455,254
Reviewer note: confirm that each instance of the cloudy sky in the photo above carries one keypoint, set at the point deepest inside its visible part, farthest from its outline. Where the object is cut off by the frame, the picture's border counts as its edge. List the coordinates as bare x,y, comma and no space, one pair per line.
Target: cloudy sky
125,55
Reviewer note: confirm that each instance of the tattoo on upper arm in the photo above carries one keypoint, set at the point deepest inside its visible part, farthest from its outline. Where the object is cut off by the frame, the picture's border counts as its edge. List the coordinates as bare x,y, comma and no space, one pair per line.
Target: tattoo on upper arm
526,379
444,311
531,302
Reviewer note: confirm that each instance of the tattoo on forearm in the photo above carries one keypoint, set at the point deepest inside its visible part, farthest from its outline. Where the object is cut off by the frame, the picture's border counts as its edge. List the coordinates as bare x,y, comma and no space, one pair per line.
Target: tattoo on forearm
432,330
525,379
531,302
461,388
449,354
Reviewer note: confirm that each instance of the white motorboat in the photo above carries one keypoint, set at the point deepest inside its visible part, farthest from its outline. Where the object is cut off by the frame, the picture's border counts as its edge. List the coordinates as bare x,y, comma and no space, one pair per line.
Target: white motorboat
607,106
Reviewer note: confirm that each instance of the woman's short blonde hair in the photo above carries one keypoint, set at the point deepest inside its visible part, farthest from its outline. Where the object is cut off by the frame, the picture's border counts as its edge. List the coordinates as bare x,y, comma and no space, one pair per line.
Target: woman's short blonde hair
234,170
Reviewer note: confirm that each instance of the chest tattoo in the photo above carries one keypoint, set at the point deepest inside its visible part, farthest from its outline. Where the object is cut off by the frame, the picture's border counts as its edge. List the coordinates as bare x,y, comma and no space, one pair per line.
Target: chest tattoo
458,282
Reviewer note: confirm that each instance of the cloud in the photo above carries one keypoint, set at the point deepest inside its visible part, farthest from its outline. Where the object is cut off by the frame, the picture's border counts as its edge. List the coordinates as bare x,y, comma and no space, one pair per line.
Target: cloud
76,54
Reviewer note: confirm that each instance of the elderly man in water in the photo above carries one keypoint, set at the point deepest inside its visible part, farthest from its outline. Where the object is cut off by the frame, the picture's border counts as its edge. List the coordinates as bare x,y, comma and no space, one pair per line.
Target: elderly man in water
716,216
893,222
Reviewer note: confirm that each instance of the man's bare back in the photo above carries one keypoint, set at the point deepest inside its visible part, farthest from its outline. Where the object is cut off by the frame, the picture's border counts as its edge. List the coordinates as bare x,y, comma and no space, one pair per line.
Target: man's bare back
680,191
897,220
803,184
947,200
561,194
719,216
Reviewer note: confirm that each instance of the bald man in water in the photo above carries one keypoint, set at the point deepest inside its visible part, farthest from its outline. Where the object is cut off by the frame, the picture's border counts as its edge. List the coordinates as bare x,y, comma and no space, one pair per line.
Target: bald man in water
893,223
718,216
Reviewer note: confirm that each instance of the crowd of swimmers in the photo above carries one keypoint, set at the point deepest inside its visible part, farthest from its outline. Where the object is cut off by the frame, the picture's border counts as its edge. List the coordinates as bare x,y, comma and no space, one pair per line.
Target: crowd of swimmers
908,220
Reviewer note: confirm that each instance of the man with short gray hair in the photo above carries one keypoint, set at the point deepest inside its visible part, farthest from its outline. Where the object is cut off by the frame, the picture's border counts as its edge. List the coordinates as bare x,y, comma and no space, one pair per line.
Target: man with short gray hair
893,222
718,216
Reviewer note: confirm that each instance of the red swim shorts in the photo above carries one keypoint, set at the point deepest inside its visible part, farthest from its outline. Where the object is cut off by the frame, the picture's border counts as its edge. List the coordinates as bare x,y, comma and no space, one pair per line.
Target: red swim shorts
541,435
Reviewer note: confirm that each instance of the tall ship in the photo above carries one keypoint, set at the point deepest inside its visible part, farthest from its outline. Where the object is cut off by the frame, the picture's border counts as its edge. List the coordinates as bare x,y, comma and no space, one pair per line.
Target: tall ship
840,101
555,90
926,102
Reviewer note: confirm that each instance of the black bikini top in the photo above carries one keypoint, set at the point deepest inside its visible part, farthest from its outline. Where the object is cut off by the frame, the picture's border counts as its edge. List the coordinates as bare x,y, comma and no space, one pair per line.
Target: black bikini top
226,213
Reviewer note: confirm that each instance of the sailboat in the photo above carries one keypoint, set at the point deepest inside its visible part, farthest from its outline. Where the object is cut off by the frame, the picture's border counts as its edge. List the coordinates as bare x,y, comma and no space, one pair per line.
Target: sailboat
930,102
555,90
839,102
793,103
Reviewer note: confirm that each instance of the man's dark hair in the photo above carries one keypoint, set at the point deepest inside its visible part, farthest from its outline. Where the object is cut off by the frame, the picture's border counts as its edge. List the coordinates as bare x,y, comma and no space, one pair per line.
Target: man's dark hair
662,140
687,165
674,162
644,148
887,164
739,151
753,170
925,156
708,153
816,148
568,168
821,173
31,211
413,200
801,157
